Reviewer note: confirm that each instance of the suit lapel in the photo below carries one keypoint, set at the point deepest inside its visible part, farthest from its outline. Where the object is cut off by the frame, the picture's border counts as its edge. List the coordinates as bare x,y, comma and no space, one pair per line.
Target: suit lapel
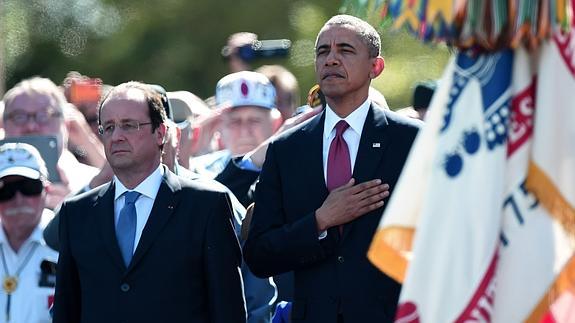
372,145
314,158
104,210
164,205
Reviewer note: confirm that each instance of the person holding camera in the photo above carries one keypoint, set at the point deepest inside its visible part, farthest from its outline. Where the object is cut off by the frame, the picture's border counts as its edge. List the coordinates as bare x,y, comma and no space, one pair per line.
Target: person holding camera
36,106
232,52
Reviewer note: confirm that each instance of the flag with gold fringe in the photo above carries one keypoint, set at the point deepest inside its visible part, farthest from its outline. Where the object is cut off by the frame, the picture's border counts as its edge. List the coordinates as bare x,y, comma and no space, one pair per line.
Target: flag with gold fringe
486,24
481,225
450,276
551,173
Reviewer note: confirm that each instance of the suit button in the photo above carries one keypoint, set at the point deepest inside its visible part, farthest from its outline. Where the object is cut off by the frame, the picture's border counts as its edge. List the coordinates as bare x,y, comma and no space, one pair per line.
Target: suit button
124,287
340,259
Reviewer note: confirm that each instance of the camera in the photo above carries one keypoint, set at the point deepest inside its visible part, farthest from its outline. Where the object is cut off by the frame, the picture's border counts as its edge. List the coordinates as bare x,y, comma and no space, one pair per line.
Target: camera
260,49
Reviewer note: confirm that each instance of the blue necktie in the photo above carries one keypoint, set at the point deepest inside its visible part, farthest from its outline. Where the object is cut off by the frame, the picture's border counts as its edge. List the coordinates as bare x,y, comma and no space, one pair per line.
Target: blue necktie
126,227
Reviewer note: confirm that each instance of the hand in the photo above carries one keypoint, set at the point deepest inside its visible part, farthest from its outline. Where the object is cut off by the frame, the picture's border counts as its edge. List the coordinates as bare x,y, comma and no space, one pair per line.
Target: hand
57,192
81,137
105,175
76,124
350,201
202,131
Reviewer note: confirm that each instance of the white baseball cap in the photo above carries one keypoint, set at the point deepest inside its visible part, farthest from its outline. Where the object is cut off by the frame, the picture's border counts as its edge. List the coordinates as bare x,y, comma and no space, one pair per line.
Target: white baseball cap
245,89
23,160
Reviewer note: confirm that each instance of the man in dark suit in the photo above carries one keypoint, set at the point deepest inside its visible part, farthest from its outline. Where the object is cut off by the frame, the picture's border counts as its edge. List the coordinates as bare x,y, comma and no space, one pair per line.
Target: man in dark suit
323,184
149,246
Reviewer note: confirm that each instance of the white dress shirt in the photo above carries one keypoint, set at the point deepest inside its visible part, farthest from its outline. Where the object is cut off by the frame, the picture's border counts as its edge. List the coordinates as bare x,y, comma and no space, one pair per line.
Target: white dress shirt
30,302
352,135
148,189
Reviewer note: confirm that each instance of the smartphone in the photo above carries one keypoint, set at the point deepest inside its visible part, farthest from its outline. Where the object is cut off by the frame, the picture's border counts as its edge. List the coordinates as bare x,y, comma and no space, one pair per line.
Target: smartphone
48,148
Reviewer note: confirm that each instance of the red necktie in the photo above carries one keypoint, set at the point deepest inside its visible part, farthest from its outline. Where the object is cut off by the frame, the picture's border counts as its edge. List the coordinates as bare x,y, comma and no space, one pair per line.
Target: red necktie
338,162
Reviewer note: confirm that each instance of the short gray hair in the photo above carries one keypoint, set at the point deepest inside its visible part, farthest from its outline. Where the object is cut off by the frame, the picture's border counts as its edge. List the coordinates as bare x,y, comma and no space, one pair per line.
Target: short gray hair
364,30
36,85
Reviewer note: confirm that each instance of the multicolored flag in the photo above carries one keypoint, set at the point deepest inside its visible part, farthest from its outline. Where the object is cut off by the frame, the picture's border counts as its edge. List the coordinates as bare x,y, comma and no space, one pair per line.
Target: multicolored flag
450,277
551,176
489,233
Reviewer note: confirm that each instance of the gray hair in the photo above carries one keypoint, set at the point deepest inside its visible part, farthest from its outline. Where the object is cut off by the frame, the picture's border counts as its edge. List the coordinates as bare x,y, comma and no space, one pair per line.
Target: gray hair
368,35
37,85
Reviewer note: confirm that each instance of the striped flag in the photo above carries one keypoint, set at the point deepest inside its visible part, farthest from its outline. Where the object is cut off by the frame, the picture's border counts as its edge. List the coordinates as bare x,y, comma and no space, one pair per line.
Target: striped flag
450,276
481,224
551,176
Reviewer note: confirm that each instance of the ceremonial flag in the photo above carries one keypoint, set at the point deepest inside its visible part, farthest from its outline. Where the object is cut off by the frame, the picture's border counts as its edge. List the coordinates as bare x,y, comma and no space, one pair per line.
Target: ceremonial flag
551,176
481,224
450,277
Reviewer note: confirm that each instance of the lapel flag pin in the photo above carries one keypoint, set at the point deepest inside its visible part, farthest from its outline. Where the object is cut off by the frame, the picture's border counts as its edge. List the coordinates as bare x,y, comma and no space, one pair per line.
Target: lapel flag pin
376,145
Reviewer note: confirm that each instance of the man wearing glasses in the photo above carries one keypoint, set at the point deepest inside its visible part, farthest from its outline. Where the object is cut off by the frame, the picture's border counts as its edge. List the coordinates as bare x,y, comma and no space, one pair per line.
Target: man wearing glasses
149,246
27,266
35,106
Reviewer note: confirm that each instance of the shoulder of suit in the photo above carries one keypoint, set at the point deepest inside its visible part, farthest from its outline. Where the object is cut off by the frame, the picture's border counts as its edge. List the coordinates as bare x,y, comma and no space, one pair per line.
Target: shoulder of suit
91,194
202,184
396,119
85,200
298,131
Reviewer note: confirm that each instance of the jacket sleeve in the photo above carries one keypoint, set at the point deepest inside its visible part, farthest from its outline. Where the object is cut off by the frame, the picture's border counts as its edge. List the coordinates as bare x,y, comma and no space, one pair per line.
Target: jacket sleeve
238,180
67,296
222,265
274,245
50,233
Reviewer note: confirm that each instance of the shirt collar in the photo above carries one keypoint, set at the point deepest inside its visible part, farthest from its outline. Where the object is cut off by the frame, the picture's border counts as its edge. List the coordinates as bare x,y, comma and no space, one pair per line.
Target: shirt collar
36,236
148,187
356,119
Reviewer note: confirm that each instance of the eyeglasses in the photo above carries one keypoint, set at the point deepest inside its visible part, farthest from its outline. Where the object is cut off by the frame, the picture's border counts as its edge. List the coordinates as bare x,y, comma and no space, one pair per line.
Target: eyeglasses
129,126
21,118
28,187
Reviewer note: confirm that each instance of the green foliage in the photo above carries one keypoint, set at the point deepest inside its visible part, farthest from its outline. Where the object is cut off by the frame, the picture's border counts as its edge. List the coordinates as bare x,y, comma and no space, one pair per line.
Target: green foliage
177,43
408,61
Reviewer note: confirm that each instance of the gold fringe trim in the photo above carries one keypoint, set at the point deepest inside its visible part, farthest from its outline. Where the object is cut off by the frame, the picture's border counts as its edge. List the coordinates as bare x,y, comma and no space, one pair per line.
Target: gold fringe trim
560,210
389,249
547,193
565,281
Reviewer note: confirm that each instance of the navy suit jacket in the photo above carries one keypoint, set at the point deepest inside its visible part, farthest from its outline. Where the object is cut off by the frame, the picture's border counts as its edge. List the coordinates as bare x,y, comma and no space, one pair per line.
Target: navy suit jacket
185,267
333,275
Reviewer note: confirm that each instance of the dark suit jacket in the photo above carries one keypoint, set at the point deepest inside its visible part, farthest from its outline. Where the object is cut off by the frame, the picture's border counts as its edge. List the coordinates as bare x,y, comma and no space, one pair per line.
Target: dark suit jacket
185,267
238,180
332,275
242,182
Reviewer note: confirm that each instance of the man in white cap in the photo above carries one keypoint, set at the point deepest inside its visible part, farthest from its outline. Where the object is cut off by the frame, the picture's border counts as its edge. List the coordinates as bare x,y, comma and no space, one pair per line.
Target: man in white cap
28,265
250,117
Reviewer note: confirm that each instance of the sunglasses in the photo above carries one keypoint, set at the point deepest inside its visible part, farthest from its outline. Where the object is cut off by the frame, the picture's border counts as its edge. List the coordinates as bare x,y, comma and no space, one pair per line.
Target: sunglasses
28,187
